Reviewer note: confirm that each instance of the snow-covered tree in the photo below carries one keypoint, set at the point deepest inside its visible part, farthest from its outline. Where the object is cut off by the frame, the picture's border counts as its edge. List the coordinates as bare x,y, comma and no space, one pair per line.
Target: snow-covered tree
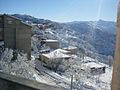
19,66
110,60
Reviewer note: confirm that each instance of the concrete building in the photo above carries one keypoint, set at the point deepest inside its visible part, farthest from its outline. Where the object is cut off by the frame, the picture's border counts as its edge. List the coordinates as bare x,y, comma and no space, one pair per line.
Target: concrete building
93,68
72,49
53,44
15,34
54,55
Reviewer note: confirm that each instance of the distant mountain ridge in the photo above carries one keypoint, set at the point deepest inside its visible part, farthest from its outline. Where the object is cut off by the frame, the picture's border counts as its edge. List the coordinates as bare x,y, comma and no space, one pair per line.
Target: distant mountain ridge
30,18
108,26
99,35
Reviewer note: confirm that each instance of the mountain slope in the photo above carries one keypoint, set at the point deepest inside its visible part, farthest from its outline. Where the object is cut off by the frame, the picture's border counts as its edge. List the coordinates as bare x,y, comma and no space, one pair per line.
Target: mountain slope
96,36
100,34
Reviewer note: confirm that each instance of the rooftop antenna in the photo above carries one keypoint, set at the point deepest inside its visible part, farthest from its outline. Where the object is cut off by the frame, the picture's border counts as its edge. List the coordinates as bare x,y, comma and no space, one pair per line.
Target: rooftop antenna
116,66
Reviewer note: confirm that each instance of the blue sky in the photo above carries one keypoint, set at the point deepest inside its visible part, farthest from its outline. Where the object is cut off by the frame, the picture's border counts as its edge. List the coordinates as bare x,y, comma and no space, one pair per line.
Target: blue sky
63,10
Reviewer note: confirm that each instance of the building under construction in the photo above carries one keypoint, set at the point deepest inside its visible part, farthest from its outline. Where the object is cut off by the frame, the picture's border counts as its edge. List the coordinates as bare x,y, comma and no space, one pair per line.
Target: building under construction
15,34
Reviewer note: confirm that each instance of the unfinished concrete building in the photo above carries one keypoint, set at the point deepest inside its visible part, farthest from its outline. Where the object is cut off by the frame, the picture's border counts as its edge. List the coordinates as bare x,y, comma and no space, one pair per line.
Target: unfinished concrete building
15,34
72,49
93,68
53,44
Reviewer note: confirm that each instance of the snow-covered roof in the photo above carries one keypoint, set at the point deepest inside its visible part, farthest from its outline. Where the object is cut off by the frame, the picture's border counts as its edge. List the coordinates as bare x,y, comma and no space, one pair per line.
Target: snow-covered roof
45,51
88,59
58,53
62,51
93,65
70,47
51,40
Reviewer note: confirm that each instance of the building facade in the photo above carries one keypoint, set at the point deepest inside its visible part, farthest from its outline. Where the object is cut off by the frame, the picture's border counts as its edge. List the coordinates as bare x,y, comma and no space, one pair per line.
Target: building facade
53,44
15,34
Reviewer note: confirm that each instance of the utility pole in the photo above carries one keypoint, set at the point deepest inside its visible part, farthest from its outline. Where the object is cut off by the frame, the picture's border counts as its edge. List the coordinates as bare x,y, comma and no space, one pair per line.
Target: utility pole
71,82
116,67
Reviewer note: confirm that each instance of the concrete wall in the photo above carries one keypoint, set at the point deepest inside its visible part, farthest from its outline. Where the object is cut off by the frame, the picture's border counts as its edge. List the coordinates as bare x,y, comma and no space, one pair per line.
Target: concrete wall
23,38
52,44
44,59
10,82
96,71
10,32
1,28
1,33
16,34
72,50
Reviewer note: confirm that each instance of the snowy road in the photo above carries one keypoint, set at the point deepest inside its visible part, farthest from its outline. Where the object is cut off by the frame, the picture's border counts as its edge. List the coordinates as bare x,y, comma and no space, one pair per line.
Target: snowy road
54,75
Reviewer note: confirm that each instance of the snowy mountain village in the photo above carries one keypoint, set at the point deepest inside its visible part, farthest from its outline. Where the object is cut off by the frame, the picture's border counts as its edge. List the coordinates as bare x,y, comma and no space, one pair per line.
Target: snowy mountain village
33,52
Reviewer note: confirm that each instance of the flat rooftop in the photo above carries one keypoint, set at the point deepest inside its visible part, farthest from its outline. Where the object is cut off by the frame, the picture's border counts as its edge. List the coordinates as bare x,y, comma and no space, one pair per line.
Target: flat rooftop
70,47
92,65
51,40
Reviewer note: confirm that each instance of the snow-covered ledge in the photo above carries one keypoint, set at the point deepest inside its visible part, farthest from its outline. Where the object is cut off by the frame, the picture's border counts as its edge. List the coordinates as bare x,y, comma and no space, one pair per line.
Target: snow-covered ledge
10,82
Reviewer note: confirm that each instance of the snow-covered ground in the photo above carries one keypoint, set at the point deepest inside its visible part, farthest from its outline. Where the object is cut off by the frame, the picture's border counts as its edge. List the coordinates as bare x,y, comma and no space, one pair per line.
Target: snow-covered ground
97,82
83,80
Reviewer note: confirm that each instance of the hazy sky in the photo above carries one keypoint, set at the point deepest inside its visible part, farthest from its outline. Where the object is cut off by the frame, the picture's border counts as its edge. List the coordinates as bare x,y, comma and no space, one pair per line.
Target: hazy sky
63,10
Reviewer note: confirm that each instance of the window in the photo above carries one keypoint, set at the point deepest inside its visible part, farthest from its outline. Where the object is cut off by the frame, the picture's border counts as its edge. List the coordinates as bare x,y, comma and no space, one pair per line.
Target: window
9,22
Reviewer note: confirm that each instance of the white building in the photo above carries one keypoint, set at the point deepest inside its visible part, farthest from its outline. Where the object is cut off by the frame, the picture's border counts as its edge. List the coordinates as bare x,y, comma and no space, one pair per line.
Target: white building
53,44
72,49
54,55
93,68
